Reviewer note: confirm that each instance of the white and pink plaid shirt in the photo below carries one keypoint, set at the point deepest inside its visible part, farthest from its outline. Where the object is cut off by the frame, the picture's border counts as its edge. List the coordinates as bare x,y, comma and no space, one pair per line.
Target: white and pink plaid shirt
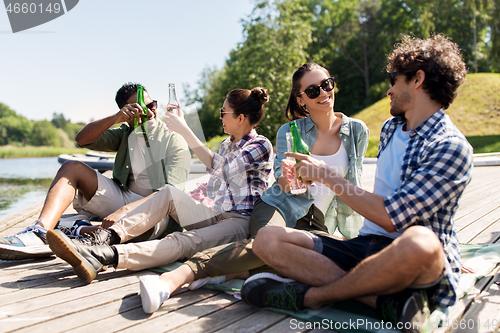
240,172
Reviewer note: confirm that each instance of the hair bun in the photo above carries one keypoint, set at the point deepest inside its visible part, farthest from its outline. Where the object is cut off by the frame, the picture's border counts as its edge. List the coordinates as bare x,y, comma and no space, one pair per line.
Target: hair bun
261,95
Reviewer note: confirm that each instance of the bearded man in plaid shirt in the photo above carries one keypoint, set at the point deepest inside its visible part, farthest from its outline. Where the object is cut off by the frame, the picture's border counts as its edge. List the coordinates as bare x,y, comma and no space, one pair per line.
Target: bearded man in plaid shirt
406,257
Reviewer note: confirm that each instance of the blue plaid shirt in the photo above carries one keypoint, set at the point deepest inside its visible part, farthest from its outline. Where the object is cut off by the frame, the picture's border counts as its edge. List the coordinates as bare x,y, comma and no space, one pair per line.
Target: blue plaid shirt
240,172
436,168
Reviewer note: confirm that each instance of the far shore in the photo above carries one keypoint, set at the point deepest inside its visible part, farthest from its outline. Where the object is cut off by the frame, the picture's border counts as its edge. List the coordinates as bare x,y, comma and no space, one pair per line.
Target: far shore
31,151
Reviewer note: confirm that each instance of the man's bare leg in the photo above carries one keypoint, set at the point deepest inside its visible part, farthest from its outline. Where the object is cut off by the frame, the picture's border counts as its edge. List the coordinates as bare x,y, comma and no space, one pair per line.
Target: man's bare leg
71,177
416,257
290,252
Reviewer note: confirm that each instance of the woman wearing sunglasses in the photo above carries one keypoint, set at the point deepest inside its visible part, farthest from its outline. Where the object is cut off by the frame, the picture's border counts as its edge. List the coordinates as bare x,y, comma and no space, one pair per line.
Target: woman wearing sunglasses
240,172
333,137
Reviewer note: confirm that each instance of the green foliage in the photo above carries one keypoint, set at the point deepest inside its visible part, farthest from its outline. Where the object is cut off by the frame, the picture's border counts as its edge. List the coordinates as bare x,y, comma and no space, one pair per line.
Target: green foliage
44,134
5,111
276,34
18,131
475,112
69,128
59,121
15,129
372,147
214,142
349,37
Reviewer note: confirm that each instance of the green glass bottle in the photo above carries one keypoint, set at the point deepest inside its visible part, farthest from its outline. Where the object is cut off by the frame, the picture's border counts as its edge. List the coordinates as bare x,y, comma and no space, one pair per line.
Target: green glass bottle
143,114
299,146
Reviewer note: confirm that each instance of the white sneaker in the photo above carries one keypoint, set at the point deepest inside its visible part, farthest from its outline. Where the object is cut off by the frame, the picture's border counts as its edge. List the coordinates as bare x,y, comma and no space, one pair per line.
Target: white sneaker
267,275
153,292
208,280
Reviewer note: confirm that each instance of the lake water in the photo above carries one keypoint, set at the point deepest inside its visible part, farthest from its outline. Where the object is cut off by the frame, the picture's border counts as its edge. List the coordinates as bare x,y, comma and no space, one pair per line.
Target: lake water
25,181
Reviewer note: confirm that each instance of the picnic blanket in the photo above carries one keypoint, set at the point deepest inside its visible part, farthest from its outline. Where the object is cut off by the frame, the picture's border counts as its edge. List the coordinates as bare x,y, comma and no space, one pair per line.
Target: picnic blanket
350,316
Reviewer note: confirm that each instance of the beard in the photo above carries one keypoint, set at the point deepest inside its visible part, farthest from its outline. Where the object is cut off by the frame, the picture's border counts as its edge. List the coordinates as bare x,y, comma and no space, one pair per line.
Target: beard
400,104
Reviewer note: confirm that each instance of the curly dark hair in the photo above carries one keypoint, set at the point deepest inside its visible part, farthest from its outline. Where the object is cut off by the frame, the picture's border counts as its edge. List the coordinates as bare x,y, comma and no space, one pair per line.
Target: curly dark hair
293,109
126,90
438,57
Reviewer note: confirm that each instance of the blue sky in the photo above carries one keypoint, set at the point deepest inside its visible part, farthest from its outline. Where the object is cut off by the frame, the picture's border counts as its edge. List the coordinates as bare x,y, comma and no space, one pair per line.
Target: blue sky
74,64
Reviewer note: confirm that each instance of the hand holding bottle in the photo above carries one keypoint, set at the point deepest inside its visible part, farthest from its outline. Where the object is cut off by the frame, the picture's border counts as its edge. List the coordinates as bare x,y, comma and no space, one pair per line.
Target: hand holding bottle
296,185
129,113
176,123
311,169
173,105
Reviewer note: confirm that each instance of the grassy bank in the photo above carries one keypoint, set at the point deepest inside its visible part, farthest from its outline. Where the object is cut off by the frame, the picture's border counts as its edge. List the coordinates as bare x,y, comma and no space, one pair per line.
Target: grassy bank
475,111
28,151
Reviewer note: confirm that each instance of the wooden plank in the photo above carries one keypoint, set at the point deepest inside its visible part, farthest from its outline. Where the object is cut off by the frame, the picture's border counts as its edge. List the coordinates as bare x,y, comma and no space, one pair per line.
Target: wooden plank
475,204
457,311
67,301
57,285
468,233
477,215
488,235
477,187
46,308
290,324
130,300
16,266
136,316
183,316
254,323
218,320
11,220
483,315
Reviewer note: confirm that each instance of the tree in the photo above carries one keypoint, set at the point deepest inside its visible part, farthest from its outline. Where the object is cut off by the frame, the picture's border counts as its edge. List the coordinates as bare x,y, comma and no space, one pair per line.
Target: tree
59,121
5,111
276,36
15,130
494,26
351,38
44,134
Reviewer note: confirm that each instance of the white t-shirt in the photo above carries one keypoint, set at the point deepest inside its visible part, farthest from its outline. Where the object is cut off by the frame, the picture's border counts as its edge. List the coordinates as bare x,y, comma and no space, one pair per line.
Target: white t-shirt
138,176
388,177
322,194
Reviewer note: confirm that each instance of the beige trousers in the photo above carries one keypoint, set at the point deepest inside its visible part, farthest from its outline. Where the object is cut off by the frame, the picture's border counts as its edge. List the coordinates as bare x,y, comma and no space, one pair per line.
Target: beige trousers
206,230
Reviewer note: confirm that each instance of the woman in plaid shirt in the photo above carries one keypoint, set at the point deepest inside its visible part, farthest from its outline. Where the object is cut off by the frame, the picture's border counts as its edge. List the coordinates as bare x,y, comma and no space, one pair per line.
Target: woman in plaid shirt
240,172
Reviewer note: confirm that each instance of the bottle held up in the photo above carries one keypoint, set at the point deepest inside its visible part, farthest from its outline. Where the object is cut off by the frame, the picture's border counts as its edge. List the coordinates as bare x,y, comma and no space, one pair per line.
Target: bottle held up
173,103
141,128
296,186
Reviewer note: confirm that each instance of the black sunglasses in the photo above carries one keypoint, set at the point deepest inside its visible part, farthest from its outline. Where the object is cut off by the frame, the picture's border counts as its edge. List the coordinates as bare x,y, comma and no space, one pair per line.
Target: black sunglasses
152,106
392,75
313,91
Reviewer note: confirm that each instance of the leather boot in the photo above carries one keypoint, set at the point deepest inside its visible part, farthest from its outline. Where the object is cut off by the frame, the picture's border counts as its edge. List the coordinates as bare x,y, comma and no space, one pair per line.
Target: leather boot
100,236
86,260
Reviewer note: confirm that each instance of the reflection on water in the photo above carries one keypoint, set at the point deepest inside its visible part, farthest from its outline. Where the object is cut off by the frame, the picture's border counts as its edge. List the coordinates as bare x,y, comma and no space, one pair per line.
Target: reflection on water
25,181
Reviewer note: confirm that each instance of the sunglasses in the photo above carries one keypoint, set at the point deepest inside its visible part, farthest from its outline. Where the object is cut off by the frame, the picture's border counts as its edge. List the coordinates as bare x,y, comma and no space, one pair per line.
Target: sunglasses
392,76
222,112
313,91
152,106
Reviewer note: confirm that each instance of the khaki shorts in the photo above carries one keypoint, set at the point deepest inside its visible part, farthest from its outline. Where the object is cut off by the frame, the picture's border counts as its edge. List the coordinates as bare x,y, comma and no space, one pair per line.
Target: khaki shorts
109,197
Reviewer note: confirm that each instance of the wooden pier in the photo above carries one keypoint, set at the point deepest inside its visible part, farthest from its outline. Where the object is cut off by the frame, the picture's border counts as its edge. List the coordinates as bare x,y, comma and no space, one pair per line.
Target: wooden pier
45,295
